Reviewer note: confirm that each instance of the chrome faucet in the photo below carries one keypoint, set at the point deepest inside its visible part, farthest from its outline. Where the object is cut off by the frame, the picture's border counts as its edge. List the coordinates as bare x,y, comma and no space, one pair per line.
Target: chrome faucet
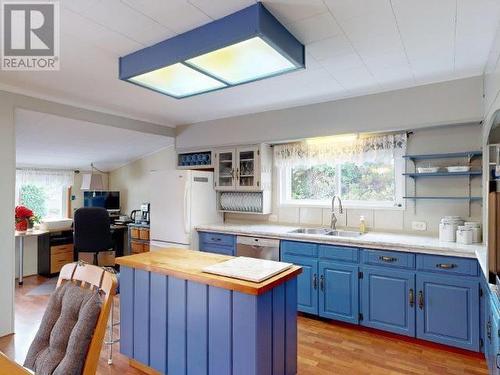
333,222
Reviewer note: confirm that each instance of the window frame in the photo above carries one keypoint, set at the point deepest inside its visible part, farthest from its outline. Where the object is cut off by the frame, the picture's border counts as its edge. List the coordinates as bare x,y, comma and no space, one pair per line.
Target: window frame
284,190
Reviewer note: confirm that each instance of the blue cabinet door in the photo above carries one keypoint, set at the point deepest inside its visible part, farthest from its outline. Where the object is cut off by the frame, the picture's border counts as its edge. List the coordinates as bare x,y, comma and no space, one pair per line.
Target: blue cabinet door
448,310
338,295
388,300
307,283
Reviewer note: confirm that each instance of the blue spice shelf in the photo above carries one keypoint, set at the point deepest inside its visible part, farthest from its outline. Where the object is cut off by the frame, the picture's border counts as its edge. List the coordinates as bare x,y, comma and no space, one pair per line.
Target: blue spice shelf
452,155
444,174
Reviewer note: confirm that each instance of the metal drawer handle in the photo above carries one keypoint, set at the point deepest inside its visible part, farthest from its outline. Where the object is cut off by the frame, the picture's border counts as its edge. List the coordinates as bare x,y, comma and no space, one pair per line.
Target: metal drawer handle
488,329
446,266
315,281
420,300
322,283
411,298
387,259
216,239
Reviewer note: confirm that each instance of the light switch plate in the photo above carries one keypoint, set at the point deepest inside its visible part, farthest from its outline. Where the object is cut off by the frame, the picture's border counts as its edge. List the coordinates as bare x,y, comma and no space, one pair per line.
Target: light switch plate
419,225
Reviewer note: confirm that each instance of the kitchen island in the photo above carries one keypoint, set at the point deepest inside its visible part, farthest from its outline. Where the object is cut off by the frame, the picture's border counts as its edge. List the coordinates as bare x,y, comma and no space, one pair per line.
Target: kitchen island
176,319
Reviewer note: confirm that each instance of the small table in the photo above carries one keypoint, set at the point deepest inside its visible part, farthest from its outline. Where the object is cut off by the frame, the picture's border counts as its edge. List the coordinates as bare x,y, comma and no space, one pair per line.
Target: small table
22,235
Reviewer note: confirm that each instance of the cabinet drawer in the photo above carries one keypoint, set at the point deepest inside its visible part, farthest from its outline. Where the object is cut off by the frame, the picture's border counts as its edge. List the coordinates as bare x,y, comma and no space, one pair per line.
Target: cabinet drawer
134,233
138,247
389,258
61,249
144,234
340,253
59,260
217,239
447,265
299,248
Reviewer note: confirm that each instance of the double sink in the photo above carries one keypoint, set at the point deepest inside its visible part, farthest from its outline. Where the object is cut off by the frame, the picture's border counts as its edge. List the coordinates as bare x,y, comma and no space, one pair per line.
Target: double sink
327,232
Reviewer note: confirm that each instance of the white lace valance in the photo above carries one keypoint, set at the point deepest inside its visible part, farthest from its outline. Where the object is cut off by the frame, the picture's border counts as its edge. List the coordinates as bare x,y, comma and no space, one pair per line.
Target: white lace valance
45,177
334,150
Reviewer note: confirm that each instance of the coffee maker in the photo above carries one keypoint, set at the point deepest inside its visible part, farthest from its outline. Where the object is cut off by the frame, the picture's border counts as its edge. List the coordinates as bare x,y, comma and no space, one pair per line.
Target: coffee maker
141,216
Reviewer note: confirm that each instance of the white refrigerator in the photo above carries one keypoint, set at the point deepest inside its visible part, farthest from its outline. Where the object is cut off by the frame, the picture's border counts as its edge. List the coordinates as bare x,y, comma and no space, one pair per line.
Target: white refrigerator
181,200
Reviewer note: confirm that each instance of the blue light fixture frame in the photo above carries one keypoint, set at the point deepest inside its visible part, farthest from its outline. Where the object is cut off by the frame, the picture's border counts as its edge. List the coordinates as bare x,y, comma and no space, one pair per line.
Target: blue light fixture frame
250,22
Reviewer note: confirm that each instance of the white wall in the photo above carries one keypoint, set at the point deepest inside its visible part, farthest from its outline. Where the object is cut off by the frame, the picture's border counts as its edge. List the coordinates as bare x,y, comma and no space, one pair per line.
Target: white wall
452,102
431,140
133,180
7,181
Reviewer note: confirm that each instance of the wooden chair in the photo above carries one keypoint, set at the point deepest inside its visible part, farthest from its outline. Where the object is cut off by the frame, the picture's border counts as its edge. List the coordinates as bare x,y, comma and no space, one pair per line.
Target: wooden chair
87,276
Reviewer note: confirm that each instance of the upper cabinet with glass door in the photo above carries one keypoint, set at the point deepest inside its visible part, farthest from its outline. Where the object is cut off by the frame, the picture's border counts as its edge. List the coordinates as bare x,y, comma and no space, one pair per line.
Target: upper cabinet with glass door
245,168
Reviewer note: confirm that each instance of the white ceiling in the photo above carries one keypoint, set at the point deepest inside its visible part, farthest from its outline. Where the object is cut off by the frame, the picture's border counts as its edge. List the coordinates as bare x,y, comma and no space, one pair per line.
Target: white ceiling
48,141
354,47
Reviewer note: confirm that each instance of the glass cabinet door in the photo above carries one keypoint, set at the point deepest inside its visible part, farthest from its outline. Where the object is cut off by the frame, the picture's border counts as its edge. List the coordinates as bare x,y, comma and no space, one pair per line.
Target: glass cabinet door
225,169
247,167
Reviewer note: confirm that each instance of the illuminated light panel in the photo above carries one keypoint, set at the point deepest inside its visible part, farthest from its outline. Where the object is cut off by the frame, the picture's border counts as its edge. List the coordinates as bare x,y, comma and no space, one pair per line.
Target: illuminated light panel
177,80
243,62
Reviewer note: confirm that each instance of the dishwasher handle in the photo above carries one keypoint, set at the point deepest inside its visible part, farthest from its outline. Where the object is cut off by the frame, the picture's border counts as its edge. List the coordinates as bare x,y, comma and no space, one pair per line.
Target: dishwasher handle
257,242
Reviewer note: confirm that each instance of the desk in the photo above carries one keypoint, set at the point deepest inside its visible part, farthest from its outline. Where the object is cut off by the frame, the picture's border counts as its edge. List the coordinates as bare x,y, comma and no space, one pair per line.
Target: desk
21,235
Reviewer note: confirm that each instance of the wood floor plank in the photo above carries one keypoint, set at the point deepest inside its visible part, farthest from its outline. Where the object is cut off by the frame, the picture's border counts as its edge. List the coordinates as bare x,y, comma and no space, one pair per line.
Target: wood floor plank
325,347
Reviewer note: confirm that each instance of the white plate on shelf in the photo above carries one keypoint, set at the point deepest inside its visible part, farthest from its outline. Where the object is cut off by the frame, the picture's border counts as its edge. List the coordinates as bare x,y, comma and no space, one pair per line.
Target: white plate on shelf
427,169
458,168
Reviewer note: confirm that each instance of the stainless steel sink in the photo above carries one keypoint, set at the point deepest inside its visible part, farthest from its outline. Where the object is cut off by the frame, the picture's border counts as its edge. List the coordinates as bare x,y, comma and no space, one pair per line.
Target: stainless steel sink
344,233
324,231
327,232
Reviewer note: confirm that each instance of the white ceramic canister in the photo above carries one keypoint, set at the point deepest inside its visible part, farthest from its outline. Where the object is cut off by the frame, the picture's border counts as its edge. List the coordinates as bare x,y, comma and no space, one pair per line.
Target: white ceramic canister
464,235
476,231
448,228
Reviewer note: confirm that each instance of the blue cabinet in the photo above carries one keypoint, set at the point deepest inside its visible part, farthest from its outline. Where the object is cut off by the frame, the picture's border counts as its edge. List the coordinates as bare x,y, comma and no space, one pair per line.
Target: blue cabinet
338,296
492,333
218,243
448,310
307,283
388,300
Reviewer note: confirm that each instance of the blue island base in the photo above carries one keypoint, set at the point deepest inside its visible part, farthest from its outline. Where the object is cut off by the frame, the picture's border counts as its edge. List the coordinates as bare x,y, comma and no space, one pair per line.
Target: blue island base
180,327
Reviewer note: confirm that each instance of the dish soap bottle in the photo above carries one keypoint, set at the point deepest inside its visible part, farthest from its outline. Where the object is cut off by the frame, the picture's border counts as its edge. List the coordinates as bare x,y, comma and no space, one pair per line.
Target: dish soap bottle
362,224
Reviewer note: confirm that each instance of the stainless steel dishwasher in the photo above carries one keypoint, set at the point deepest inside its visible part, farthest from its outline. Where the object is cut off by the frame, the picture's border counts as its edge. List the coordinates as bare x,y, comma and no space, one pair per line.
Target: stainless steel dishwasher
255,247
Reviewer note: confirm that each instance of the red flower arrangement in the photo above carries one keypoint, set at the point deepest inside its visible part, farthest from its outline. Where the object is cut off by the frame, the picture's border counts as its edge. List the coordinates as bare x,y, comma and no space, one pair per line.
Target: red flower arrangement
23,215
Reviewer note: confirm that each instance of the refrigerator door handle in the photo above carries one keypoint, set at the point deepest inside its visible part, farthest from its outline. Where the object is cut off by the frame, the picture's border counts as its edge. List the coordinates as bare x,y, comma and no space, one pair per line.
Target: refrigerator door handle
187,228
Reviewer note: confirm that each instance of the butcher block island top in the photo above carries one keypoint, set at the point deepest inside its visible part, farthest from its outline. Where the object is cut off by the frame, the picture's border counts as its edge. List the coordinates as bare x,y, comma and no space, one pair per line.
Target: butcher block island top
189,265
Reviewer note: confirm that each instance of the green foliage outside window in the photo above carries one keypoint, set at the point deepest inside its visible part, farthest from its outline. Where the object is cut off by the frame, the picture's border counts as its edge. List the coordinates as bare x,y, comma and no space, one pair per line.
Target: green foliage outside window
34,198
317,182
357,182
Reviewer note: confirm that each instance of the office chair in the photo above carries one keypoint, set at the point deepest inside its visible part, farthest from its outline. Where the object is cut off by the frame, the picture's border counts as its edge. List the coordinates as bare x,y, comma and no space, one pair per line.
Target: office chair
92,233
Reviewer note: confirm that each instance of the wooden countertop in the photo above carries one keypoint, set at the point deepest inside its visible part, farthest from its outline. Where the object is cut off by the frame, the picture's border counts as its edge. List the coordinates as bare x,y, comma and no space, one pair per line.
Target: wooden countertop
188,264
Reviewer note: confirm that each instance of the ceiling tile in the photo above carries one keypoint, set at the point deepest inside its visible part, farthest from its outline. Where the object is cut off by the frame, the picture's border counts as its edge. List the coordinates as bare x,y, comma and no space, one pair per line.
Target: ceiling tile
356,78
331,47
314,28
78,5
361,26
220,8
294,10
371,44
176,15
385,59
342,63
478,16
345,9
119,17
84,29
425,16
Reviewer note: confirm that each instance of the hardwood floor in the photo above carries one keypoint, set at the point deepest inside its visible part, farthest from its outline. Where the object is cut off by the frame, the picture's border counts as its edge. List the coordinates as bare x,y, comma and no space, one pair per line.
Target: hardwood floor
325,347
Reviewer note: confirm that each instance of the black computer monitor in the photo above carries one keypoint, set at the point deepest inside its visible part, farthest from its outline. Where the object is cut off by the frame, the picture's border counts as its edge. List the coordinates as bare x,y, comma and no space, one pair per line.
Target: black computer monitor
109,200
